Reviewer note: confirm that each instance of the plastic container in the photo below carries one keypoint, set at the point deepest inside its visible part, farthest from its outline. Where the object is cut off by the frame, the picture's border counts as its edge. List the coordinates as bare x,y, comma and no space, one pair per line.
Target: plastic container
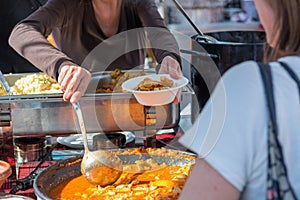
5,171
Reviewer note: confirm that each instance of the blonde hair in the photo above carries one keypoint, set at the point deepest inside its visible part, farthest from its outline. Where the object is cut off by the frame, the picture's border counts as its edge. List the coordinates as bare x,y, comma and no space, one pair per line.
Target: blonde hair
287,28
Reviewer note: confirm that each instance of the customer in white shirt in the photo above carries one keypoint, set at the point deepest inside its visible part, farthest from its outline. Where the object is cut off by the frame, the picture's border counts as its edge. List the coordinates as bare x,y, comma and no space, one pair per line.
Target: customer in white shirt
230,135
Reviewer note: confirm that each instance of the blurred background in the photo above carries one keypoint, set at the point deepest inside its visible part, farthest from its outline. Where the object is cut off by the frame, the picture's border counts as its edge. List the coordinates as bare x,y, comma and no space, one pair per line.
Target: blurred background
209,15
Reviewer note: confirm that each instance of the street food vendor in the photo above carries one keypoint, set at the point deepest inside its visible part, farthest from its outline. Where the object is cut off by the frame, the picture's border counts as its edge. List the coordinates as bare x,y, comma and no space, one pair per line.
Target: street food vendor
90,28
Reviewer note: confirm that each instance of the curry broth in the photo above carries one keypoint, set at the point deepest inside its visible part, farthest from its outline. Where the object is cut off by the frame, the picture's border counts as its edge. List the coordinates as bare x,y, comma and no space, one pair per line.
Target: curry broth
142,180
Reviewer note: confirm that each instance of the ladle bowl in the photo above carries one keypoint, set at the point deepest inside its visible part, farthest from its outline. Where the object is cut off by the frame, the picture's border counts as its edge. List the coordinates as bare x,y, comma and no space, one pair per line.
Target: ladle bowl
99,167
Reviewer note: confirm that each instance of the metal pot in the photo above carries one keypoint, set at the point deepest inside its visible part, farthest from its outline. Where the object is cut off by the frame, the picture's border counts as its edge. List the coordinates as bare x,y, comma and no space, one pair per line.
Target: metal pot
211,60
70,168
232,47
213,53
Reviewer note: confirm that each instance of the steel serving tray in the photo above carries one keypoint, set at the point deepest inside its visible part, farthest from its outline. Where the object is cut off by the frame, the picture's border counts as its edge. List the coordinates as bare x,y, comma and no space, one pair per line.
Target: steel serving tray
48,114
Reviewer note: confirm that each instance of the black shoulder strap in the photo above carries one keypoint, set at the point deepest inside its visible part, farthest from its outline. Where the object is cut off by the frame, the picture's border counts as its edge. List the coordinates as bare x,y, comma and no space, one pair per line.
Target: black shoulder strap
267,79
291,73
279,187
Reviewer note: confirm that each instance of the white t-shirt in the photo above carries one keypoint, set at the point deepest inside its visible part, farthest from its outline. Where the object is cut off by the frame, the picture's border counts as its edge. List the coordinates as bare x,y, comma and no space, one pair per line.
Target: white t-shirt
231,132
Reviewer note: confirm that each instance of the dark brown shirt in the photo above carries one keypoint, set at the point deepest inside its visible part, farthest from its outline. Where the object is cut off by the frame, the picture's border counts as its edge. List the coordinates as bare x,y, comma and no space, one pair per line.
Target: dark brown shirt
81,40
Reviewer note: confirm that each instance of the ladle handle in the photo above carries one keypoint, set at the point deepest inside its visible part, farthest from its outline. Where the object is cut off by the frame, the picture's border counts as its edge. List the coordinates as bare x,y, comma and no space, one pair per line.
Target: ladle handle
77,109
180,8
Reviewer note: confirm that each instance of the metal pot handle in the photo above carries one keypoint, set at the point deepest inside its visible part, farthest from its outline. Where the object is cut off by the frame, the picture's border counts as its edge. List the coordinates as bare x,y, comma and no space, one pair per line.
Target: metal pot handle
197,53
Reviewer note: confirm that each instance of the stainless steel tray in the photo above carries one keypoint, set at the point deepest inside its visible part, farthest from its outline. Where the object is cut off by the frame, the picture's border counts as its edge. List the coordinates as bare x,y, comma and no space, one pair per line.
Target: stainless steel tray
48,114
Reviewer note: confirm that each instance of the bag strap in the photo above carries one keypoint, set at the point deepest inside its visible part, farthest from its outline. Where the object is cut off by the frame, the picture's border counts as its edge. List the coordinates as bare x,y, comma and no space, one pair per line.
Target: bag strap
267,79
278,185
291,73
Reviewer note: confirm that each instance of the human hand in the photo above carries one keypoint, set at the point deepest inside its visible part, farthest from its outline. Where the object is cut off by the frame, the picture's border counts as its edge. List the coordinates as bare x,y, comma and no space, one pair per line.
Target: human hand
73,81
171,66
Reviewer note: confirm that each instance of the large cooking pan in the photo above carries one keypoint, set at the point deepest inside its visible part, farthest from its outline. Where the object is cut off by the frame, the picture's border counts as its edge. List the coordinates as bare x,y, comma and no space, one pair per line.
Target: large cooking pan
67,169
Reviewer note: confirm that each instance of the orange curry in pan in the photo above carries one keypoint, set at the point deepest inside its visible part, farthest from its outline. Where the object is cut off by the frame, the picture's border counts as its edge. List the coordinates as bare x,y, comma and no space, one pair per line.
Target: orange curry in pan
145,179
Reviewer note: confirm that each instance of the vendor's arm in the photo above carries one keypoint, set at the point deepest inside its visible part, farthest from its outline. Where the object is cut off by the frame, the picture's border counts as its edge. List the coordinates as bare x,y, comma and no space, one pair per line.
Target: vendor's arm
28,38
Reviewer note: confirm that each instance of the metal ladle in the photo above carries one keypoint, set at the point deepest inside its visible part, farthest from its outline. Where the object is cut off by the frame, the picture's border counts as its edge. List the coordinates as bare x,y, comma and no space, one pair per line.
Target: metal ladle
98,167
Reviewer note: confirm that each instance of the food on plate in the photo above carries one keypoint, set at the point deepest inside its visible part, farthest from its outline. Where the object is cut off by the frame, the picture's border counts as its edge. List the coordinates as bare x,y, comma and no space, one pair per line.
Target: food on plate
2,90
151,85
38,83
118,78
143,179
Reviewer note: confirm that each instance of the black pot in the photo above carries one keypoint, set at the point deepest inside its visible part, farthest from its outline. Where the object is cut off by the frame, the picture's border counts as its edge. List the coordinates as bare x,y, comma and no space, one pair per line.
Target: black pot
211,60
233,47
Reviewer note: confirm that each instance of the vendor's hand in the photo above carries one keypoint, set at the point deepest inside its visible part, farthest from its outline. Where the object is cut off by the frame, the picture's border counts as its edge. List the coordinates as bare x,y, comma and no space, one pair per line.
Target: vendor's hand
171,66
73,81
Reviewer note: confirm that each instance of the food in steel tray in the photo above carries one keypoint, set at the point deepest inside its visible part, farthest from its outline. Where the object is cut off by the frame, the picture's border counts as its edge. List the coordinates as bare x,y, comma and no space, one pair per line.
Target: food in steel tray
118,78
38,83
151,85
41,83
145,179
2,90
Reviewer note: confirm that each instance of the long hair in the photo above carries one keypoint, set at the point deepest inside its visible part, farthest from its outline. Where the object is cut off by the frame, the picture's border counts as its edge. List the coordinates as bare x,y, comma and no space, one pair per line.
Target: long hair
286,29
